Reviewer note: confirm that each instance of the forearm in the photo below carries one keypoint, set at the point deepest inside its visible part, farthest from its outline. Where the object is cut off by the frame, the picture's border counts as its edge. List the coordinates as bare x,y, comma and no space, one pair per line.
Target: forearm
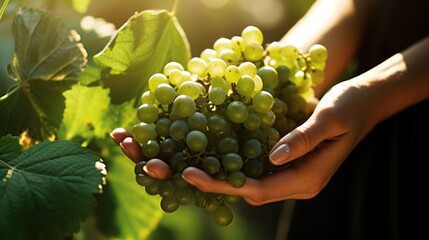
399,82
337,24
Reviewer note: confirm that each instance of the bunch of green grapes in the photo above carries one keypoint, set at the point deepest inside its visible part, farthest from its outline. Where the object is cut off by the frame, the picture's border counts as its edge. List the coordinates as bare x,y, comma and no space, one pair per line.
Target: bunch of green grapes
222,113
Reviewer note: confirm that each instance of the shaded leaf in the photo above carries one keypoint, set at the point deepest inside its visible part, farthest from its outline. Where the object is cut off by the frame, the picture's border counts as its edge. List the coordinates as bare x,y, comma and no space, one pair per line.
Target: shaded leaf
47,60
47,191
128,212
142,46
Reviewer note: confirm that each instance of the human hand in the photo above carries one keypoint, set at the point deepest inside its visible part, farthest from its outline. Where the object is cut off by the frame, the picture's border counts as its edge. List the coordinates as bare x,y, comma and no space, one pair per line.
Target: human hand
131,148
314,150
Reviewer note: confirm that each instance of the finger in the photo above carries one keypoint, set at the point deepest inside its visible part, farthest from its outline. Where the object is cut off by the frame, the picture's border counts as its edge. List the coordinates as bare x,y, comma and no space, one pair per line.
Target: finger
206,183
132,149
119,134
299,141
158,169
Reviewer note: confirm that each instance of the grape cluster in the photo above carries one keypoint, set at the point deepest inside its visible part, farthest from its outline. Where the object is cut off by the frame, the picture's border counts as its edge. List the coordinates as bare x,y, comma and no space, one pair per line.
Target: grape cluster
222,113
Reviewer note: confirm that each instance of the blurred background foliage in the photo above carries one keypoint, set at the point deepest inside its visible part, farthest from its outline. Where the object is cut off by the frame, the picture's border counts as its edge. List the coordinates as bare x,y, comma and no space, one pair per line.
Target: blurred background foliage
203,21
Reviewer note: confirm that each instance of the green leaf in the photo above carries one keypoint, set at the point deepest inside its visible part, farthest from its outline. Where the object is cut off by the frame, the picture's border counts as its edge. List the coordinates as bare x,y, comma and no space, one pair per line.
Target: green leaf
47,60
125,210
48,190
89,114
85,113
142,46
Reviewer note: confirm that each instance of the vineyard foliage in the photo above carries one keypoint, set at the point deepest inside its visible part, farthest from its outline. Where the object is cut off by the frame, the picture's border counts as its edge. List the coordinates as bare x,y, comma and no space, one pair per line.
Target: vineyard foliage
61,173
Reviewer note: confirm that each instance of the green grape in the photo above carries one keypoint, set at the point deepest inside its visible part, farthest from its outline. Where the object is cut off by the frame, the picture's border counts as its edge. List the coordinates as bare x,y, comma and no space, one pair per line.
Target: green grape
166,189
252,34
178,181
210,164
177,77
237,112
232,74
245,86
217,124
222,44
155,80
259,85
178,162
289,93
168,147
220,82
267,119
290,52
248,68
207,202
278,107
184,195
197,66
217,95
148,97
197,121
253,168
144,180
162,127
150,149
263,101
229,56
208,54
253,52
184,105
169,204
237,179
138,168
232,162
318,53
178,130
228,144
196,141
222,216
273,49
153,188
147,113
237,43
252,148
172,66
269,76
165,93
143,132
283,73
189,88
253,121
216,67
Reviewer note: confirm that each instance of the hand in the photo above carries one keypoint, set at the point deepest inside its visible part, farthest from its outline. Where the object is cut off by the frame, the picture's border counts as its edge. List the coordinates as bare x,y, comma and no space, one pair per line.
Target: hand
314,150
131,148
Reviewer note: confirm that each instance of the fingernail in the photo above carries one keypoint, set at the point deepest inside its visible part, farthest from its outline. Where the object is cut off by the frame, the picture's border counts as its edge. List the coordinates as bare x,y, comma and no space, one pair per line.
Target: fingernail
188,180
281,152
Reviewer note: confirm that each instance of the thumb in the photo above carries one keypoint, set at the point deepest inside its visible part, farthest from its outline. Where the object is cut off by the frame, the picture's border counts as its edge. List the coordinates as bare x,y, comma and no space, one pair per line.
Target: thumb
297,143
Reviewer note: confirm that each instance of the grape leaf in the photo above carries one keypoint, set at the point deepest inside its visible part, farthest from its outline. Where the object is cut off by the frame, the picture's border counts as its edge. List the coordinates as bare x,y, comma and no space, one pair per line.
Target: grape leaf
85,113
48,190
47,60
129,212
141,47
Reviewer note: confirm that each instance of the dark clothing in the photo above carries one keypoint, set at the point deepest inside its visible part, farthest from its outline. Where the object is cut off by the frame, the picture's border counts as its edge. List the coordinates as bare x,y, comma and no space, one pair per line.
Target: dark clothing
378,192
